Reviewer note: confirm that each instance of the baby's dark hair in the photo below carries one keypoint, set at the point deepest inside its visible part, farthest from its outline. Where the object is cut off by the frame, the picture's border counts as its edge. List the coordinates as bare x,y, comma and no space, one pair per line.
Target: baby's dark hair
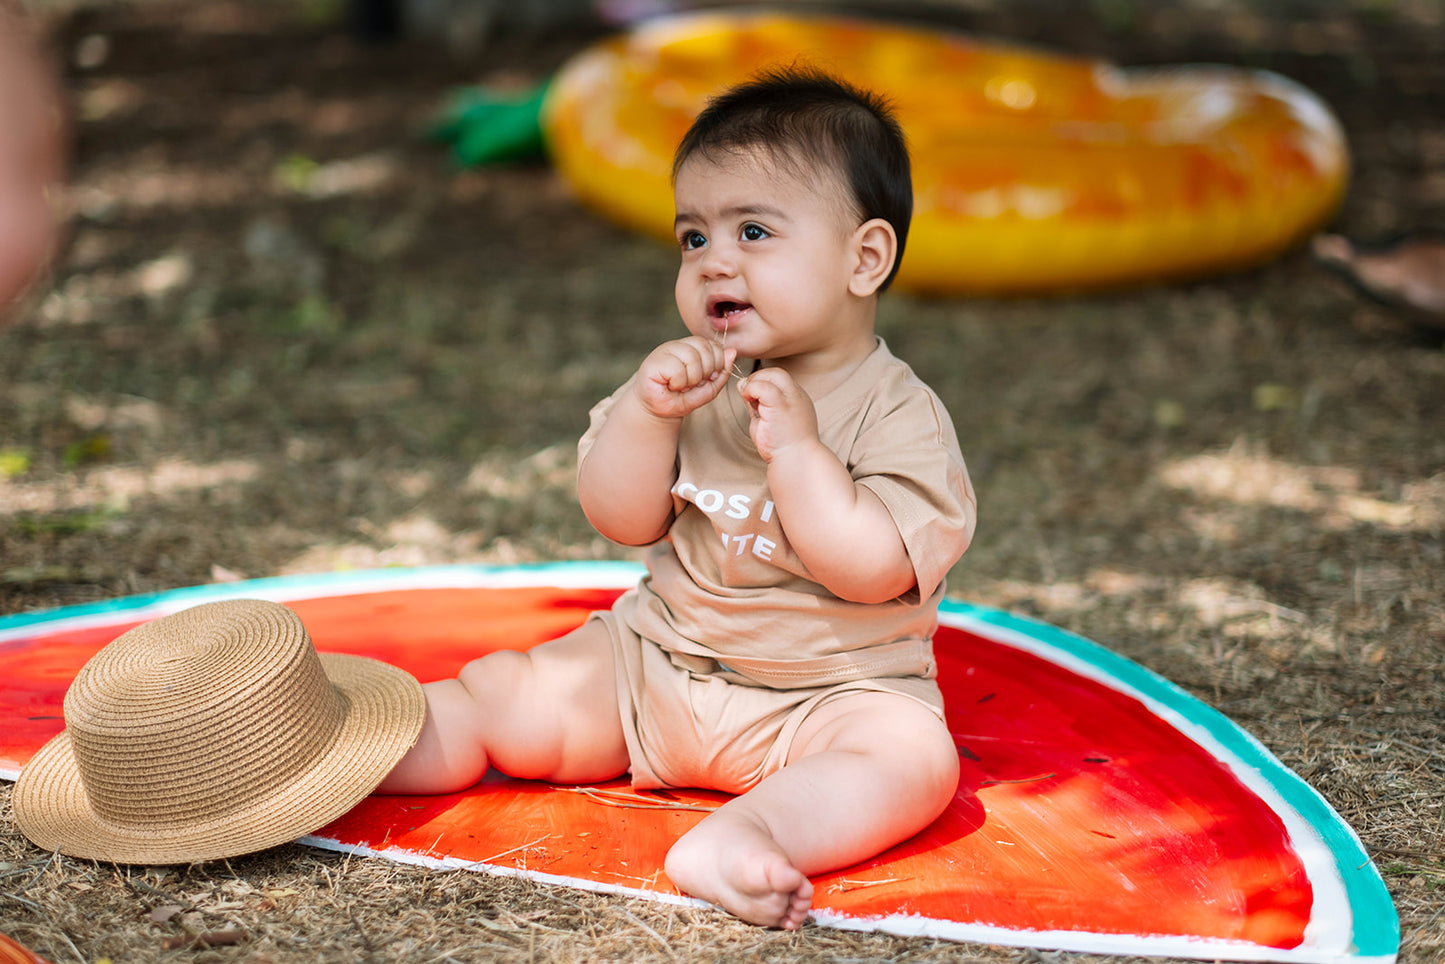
804,119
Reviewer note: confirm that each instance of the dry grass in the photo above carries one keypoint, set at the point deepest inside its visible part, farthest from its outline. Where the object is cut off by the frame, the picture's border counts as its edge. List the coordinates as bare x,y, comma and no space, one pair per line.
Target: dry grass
286,337
299,904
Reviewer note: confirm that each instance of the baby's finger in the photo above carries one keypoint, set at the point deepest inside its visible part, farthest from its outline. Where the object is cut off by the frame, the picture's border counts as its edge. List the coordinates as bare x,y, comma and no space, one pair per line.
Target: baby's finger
762,387
717,360
692,368
712,355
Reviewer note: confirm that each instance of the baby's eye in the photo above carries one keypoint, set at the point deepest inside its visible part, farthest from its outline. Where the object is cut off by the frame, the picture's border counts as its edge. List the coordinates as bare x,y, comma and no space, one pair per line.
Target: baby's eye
754,232
691,241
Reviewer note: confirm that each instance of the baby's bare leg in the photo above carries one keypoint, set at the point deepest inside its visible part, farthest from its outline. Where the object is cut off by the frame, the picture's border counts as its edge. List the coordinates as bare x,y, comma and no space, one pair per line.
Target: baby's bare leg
865,772
547,714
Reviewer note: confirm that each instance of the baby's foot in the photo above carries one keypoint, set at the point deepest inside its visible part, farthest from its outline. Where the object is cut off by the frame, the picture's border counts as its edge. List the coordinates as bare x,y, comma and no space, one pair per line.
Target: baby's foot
733,863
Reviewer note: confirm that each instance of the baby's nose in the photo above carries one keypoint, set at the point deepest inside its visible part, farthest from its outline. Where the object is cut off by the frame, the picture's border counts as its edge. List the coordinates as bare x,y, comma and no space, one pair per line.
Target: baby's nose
717,262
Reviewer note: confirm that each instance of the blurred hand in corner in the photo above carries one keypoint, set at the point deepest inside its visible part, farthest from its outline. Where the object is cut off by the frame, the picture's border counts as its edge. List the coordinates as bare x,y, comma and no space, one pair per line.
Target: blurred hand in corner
32,150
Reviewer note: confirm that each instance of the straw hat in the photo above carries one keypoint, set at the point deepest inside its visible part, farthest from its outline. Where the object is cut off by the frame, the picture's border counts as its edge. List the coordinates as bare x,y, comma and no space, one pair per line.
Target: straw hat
213,732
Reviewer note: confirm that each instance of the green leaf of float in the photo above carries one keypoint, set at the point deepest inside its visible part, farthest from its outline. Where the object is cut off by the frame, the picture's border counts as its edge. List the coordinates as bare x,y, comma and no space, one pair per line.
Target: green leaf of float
487,127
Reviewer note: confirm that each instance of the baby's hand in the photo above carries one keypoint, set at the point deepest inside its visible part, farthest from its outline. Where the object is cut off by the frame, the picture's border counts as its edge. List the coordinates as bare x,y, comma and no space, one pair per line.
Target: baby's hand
782,412
682,376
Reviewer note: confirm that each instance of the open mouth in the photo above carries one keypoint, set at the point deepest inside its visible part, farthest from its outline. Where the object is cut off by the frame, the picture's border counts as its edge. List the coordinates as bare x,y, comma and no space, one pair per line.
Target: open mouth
725,309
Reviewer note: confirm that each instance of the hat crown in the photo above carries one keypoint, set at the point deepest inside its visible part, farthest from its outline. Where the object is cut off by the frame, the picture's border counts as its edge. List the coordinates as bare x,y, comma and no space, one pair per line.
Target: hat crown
200,714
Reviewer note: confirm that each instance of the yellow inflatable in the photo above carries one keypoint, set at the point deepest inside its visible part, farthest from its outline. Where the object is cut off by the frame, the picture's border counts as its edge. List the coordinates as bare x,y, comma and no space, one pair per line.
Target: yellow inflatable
1032,172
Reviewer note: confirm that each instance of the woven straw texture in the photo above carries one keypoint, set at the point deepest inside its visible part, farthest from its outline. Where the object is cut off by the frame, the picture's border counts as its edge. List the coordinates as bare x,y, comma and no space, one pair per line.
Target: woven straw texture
213,732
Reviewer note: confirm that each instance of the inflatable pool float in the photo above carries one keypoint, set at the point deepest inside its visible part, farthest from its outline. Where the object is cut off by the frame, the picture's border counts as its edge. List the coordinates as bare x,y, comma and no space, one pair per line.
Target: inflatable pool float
12,952
1100,808
1033,172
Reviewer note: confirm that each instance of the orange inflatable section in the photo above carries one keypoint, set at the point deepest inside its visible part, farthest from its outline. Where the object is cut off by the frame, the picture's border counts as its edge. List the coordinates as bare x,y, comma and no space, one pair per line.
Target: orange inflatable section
13,953
1033,172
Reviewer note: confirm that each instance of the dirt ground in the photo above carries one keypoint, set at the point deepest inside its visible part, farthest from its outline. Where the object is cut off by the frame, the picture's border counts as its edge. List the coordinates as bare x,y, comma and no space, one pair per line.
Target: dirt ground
287,335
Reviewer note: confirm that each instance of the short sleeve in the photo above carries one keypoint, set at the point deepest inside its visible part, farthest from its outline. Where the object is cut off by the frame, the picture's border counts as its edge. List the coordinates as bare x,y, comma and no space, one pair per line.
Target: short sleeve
910,459
596,417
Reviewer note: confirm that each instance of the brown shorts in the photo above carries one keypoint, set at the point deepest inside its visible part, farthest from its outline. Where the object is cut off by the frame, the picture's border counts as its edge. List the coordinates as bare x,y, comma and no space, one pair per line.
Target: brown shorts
689,729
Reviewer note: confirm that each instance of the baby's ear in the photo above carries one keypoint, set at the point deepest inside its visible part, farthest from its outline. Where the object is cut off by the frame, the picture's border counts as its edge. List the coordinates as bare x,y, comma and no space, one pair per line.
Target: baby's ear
876,246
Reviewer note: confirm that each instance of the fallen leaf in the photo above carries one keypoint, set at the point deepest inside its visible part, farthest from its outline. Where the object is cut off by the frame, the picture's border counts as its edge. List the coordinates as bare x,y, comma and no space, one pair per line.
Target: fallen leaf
1169,413
203,941
220,573
1270,397
13,462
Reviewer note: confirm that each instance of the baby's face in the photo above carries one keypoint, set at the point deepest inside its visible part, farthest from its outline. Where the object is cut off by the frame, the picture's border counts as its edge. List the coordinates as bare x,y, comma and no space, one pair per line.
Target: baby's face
766,255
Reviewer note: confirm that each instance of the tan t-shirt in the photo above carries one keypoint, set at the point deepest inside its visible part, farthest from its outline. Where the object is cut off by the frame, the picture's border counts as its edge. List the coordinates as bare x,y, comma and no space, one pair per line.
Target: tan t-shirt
726,593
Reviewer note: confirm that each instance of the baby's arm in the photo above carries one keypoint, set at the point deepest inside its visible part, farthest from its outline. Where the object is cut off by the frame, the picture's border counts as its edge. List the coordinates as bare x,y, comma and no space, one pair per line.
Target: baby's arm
840,530
625,481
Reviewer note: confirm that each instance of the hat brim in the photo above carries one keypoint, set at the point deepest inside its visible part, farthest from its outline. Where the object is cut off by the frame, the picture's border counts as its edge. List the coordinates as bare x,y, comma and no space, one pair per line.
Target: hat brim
385,709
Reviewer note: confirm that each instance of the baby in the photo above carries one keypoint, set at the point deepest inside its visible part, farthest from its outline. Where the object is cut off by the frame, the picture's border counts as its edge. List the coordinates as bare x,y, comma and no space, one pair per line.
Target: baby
802,496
